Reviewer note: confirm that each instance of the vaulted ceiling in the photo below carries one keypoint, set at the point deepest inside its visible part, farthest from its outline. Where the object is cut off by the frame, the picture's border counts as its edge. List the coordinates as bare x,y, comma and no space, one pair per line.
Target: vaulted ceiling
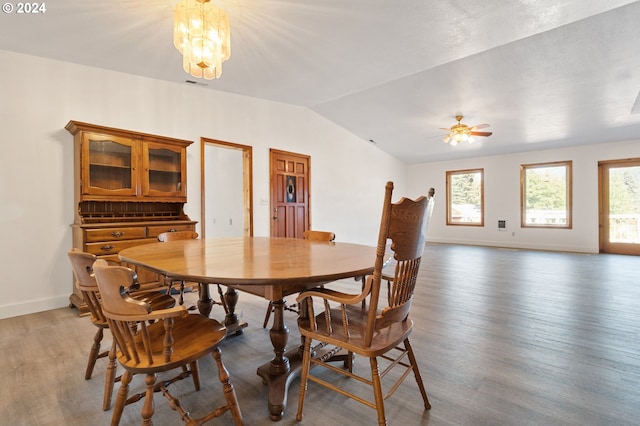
542,73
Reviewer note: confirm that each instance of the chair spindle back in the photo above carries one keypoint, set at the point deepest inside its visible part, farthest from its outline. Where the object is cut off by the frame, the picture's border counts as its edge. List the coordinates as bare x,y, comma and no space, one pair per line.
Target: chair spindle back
404,224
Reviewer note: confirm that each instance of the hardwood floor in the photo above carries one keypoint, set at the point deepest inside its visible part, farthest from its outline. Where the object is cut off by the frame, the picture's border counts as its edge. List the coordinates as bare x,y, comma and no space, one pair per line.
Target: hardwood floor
505,337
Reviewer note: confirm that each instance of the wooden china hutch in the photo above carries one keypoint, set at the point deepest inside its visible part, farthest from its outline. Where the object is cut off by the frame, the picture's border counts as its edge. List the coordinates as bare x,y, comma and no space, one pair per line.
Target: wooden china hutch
129,187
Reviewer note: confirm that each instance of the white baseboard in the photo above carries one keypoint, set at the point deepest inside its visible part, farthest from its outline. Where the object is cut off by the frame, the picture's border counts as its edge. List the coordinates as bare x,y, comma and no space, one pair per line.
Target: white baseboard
520,245
33,306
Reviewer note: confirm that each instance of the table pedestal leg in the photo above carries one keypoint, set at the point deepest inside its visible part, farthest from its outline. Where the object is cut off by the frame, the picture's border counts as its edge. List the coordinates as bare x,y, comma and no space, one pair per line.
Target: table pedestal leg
230,300
205,303
283,368
231,322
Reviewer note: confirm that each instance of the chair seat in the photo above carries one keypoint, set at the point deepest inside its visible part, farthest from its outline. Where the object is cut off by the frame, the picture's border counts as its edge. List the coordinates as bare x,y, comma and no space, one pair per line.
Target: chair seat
157,300
194,336
383,340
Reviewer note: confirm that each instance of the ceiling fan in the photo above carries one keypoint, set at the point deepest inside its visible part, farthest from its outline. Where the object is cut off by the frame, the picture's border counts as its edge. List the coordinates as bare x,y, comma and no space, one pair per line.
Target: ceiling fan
460,132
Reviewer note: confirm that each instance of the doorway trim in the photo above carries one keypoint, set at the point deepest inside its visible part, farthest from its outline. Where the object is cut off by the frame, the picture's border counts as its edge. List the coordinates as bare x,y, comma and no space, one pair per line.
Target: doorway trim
247,182
603,204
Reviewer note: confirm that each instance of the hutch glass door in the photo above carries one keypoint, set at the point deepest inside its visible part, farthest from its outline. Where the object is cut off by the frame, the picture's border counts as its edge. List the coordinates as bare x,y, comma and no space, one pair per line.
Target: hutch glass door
165,170
111,166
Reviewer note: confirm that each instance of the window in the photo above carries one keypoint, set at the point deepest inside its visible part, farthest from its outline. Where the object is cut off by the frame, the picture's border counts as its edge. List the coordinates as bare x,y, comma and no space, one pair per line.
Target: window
465,197
545,195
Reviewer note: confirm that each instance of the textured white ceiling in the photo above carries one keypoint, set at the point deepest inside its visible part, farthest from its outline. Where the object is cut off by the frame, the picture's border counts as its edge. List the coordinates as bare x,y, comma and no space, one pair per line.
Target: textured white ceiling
543,73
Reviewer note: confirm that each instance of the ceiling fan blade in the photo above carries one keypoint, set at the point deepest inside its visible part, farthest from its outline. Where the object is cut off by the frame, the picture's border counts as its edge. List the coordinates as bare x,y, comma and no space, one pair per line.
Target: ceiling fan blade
447,129
481,133
433,137
479,126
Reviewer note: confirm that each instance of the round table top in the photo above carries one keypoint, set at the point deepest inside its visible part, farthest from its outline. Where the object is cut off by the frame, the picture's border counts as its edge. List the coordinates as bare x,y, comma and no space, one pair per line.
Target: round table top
253,260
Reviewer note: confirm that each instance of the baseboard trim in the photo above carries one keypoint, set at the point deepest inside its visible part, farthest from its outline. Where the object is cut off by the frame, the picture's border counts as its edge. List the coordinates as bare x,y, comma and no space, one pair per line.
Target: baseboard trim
33,306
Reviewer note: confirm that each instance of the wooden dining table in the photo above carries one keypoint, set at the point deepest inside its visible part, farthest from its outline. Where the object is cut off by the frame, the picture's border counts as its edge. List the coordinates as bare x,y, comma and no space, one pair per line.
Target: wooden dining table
272,268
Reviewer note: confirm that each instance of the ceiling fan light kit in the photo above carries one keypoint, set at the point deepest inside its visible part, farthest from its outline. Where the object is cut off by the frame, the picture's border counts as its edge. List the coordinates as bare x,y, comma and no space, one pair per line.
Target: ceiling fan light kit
460,132
455,139
202,34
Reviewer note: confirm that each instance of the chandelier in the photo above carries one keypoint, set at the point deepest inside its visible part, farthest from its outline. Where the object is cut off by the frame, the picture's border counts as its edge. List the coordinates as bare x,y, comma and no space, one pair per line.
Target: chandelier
201,32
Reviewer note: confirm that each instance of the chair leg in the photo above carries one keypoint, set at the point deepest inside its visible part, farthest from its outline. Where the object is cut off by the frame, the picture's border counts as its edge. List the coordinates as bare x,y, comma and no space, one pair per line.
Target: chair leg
304,374
223,301
181,301
110,378
377,391
229,391
148,406
121,399
363,279
195,374
348,362
94,354
416,373
268,315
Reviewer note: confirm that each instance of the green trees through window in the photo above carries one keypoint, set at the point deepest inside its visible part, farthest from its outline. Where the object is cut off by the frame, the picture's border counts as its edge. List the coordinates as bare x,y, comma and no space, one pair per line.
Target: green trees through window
624,204
465,197
546,194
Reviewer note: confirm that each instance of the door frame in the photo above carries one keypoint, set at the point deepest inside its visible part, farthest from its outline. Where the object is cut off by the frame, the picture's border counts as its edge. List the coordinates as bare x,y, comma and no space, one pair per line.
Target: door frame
603,203
247,182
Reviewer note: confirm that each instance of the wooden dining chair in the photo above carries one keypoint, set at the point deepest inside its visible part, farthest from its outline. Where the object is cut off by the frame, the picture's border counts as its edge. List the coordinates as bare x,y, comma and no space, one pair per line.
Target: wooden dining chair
177,235
322,236
85,281
175,340
380,330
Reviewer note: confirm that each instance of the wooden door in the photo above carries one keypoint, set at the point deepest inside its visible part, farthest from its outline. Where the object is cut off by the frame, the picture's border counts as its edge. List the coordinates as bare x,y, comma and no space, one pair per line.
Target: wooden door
619,183
289,193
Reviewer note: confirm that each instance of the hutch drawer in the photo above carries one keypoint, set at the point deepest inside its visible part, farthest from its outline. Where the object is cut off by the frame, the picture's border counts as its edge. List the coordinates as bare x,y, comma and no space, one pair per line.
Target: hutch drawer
114,247
154,231
112,234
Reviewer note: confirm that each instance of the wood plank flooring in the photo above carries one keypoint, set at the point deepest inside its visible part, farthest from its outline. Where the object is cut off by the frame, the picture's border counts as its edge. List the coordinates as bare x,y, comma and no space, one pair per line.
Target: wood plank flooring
504,337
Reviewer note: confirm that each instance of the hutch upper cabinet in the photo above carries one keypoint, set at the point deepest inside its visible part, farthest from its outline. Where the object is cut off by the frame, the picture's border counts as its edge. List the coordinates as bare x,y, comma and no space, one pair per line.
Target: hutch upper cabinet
129,187
122,164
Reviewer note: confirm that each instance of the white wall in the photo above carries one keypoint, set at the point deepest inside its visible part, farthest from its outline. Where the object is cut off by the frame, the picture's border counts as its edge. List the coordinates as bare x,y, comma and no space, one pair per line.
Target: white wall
38,98
224,187
502,198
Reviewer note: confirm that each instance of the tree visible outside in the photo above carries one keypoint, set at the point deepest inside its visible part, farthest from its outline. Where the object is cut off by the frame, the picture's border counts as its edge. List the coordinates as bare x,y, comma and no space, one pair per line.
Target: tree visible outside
546,195
624,205
465,197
